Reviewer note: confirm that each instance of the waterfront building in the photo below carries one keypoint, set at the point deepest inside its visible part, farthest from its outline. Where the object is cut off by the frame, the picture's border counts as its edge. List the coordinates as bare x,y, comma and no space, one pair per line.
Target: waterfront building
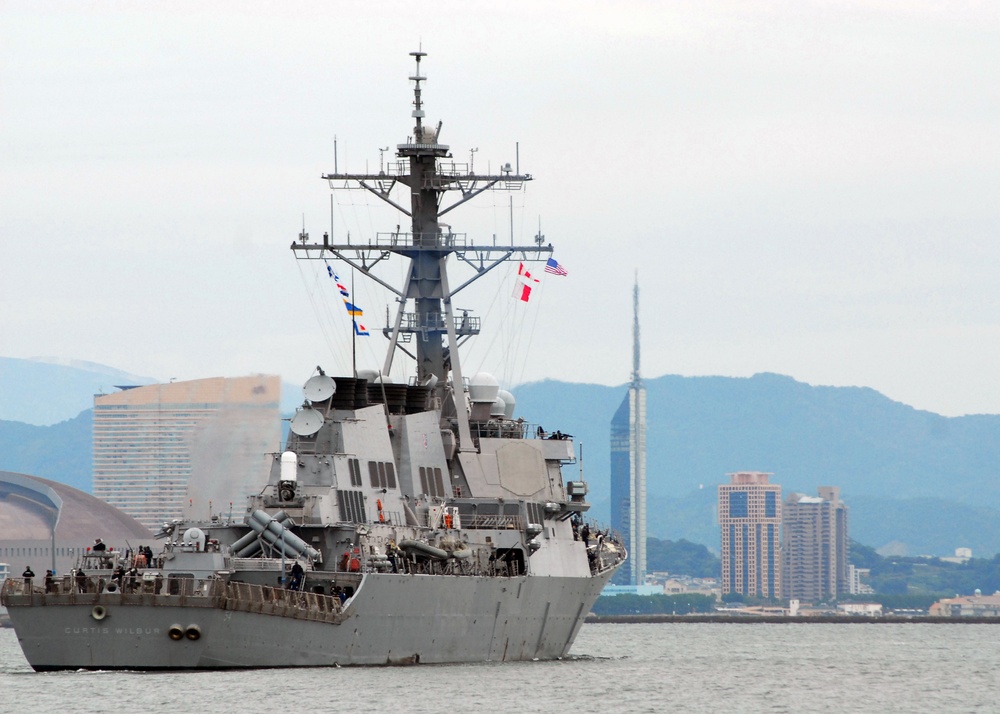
814,547
868,609
628,466
191,448
977,605
750,524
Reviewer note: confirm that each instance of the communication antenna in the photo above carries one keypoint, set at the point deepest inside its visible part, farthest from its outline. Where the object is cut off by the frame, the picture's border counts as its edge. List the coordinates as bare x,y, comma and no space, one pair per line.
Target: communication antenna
319,388
306,422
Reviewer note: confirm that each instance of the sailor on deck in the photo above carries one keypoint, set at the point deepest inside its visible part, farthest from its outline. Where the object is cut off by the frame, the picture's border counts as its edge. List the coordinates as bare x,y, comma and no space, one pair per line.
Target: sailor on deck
295,582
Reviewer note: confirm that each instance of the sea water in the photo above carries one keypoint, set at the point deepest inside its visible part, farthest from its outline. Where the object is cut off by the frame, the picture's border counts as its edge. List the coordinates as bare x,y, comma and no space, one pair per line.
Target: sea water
614,668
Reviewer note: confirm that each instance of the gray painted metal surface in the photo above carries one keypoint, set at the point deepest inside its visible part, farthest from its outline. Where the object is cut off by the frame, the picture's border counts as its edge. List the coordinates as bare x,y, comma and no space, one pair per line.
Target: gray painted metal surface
405,523
392,619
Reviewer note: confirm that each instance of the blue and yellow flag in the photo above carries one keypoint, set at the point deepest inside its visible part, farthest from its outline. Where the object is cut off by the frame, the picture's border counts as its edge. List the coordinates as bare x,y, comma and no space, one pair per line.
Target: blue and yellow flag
353,310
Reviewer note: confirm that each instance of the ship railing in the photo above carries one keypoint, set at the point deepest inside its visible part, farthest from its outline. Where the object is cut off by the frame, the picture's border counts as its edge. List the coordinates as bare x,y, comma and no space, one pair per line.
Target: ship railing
465,171
493,522
257,564
540,433
606,549
500,429
15,586
261,595
419,240
74,585
186,591
100,560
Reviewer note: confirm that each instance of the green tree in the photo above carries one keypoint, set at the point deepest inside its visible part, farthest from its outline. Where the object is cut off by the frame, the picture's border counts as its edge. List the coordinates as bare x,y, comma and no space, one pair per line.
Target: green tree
682,604
681,558
863,556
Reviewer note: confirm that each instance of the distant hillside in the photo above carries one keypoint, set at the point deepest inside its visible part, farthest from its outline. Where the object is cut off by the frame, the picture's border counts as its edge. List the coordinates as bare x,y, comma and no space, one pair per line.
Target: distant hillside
46,415
46,391
916,483
888,458
42,392
62,452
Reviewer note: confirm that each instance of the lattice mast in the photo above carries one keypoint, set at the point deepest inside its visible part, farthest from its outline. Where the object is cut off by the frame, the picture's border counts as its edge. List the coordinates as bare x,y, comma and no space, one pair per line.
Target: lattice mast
424,167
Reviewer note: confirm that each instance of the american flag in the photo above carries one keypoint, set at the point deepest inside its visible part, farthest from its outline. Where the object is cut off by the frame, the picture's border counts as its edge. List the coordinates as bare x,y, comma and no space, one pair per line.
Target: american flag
552,266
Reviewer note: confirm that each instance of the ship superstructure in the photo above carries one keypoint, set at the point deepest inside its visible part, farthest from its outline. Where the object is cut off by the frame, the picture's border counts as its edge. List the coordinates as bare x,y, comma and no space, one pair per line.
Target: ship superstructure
402,522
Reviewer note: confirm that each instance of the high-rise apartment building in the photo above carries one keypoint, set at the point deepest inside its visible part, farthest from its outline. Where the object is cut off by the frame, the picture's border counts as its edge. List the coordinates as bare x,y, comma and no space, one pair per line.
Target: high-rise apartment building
185,448
750,521
815,546
628,466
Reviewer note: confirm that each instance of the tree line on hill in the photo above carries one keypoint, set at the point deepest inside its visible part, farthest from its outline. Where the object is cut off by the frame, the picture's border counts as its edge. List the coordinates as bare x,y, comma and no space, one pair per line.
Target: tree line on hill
681,557
932,576
898,582
922,481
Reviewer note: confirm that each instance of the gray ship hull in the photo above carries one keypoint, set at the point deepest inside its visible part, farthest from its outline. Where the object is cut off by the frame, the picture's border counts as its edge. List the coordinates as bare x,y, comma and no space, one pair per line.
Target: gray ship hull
393,619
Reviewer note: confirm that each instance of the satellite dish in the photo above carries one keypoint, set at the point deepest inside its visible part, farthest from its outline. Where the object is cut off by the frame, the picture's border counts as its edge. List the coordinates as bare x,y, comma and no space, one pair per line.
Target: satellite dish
319,388
306,422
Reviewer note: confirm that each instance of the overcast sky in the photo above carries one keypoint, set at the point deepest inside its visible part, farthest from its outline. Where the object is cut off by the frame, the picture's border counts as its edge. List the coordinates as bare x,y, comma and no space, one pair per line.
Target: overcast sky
804,188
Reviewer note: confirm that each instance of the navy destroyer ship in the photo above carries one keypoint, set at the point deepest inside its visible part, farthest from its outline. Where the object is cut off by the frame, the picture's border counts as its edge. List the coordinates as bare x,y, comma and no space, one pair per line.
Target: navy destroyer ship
401,524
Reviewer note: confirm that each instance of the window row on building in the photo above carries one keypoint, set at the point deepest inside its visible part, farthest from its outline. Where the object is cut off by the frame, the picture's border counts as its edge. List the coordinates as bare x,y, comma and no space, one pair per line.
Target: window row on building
796,550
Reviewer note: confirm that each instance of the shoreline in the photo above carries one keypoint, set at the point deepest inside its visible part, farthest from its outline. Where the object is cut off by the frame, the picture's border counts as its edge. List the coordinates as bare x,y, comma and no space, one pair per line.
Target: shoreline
782,619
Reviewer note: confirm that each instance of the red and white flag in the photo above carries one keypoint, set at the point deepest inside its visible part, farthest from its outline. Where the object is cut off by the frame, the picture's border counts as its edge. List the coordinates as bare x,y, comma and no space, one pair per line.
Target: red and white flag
525,281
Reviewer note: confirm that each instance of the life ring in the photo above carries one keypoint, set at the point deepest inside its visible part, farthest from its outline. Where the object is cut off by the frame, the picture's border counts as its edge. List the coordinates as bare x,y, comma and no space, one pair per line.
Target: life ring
99,612
381,515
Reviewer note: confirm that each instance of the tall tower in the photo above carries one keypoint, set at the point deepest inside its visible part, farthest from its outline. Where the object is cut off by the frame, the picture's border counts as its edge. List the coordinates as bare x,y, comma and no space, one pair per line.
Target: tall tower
628,464
750,521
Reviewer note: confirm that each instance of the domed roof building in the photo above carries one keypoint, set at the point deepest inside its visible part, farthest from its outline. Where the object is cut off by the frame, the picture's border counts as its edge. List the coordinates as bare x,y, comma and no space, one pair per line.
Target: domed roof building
44,522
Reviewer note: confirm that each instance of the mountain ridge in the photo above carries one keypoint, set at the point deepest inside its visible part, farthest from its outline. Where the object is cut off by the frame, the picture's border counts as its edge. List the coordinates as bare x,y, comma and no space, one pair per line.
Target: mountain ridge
886,453
915,482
